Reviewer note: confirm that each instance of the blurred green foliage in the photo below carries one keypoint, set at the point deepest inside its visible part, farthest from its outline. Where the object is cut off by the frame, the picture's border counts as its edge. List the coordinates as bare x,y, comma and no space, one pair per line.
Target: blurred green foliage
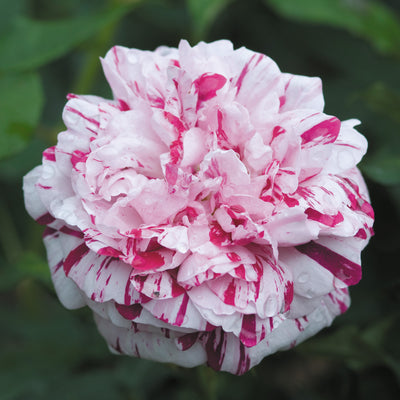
48,49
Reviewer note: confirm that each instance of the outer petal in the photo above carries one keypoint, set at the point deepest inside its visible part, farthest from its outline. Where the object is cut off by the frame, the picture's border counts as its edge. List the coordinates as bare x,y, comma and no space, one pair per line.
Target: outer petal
301,92
143,342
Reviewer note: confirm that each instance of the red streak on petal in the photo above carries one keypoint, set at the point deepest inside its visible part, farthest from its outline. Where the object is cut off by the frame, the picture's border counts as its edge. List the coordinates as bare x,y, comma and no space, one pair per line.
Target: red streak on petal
190,212
244,72
263,333
230,293
277,131
45,219
210,327
290,201
78,156
176,150
248,334
182,311
104,264
175,63
175,121
71,232
185,342
49,154
123,106
137,353
367,209
57,267
49,231
258,269
129,312
147,261
44,187
342,306
109,251
208,84
298,324
325,219
75,111
323,133
341,267
116,58
171,175
221,135
240,272
176,289
74,257
218,236
357,202
233,257
288,295
244,361
361,234
127,296
140,280
166,332
215,348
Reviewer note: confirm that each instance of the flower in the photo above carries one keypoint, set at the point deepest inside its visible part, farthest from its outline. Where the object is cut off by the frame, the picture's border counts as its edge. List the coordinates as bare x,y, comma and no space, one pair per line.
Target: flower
210,213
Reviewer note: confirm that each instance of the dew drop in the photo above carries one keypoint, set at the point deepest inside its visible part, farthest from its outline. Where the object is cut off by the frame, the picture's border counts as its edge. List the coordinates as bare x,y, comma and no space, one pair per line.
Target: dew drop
28,188
271,305
318,316
63,215
345,159
108,152
47,171
303,277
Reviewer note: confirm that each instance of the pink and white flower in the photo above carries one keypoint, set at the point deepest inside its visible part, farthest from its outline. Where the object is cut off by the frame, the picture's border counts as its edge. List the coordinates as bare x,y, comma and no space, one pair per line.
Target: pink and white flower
210,213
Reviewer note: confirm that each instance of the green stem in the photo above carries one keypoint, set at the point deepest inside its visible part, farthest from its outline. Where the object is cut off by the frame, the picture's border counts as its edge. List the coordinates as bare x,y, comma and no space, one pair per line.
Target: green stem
102,42
208,382
91,66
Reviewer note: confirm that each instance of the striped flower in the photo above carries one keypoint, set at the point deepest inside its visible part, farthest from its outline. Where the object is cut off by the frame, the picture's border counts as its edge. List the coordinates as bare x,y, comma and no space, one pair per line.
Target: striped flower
210,213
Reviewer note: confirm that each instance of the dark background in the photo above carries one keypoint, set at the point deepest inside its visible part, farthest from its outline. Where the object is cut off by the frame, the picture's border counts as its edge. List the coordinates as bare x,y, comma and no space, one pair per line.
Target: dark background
48,49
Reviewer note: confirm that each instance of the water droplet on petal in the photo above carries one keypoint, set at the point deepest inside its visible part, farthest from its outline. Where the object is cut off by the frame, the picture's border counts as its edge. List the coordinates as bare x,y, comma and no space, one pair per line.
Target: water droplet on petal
303,277
47,171
271,305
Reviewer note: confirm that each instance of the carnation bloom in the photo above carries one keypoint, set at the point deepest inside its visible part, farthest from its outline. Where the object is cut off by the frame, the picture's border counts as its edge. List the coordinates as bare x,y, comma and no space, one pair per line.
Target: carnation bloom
209,213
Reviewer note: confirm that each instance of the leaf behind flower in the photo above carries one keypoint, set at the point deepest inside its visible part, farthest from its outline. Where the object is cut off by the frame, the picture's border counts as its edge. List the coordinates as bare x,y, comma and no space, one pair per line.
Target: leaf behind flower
20,108
31,44
371,20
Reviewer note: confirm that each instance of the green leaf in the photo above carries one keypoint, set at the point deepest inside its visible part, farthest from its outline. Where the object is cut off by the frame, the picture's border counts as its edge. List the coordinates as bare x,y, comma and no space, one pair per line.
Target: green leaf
203,13
8,12
344,344
361,348
383,168
20,108
368,19
31,44
383,100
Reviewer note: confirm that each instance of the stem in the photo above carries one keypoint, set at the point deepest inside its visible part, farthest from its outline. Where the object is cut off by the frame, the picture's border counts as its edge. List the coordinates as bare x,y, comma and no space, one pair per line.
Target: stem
99,46
208,382
91,66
